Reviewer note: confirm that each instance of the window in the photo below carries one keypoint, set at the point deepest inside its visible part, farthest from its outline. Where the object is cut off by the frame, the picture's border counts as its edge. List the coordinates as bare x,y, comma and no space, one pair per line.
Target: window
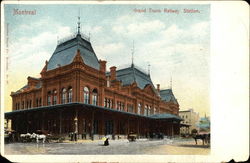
122,106
30,103
70,95
54,97
109,102
37,104
94,97
27,104
86,95
64,92
105,102
22,104
154,111
108,82
146,110
149,110
130,108
139,108
40,102
49,98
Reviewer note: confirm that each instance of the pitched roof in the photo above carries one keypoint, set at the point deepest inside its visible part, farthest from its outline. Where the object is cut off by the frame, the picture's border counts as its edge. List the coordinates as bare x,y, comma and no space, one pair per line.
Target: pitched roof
37,86
66,51
168,96
132,74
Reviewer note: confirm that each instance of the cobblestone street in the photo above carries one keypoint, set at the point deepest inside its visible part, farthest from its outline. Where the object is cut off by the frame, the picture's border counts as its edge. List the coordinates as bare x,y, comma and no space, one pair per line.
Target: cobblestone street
142,146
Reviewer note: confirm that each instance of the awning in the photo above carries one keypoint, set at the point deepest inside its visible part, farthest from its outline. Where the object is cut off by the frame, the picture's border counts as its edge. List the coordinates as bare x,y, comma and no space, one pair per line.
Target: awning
89,106
166,116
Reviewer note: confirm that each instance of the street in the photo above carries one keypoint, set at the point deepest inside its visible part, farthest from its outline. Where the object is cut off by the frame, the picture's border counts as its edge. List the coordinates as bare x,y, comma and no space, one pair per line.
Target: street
143,146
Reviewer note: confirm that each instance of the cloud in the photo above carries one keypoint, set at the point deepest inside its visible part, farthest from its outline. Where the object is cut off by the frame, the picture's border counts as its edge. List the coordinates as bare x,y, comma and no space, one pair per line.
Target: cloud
135,27
111,49
36,48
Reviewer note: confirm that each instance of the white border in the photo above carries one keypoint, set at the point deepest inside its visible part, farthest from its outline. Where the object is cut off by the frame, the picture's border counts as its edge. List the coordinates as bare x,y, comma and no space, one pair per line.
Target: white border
229,89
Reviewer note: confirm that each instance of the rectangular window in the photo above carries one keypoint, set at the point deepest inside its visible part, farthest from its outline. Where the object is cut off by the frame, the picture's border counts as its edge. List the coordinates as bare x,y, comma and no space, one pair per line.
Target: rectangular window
105,102
94,99
122,106
40,102
49,100
54,100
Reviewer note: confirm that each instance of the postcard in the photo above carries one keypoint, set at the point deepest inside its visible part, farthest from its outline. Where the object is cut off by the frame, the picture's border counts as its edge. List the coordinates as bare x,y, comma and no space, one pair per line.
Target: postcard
103,81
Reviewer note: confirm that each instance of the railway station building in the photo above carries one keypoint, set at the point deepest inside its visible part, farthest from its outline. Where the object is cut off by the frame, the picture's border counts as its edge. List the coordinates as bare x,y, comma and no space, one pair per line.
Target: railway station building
76,93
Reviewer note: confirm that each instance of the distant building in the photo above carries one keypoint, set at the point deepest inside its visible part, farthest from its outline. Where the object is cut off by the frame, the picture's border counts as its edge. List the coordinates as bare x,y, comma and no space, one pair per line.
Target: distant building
190,121
204,124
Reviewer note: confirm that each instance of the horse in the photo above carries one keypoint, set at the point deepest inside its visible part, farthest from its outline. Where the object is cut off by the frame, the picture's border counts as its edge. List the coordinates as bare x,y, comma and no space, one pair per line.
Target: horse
38,137
204,137
25,137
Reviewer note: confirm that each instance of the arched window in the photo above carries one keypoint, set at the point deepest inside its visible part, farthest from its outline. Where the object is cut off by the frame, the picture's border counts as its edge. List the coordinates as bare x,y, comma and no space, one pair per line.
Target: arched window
139,108
70,95
49,98
64,93
86,95
146,110
94,97
54,97
149,110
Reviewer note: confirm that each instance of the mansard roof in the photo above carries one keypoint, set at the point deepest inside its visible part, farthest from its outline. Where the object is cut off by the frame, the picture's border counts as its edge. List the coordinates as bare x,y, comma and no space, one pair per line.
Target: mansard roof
66,51
132,74
168,96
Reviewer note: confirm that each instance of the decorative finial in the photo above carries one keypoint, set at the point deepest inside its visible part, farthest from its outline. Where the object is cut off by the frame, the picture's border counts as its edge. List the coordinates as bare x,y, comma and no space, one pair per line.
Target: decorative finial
79,25
132,52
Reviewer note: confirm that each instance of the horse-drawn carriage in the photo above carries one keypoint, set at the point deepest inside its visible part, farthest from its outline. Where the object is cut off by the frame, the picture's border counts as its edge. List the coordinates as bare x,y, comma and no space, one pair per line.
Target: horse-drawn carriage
10,135
204,136
132,137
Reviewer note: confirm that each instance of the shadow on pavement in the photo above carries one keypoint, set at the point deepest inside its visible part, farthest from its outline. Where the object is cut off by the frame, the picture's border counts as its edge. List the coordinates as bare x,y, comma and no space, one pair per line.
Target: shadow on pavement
194,146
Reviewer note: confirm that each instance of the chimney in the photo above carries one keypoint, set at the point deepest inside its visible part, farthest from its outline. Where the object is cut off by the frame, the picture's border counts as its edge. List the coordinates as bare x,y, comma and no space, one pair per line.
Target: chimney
102,66
112,73
158,87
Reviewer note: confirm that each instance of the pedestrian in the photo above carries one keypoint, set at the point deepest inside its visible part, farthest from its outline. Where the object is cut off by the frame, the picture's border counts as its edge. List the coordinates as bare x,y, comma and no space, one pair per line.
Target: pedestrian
106,142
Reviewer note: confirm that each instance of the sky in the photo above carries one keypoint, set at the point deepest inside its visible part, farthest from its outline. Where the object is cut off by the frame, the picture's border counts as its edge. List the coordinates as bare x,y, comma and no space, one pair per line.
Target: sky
176,46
